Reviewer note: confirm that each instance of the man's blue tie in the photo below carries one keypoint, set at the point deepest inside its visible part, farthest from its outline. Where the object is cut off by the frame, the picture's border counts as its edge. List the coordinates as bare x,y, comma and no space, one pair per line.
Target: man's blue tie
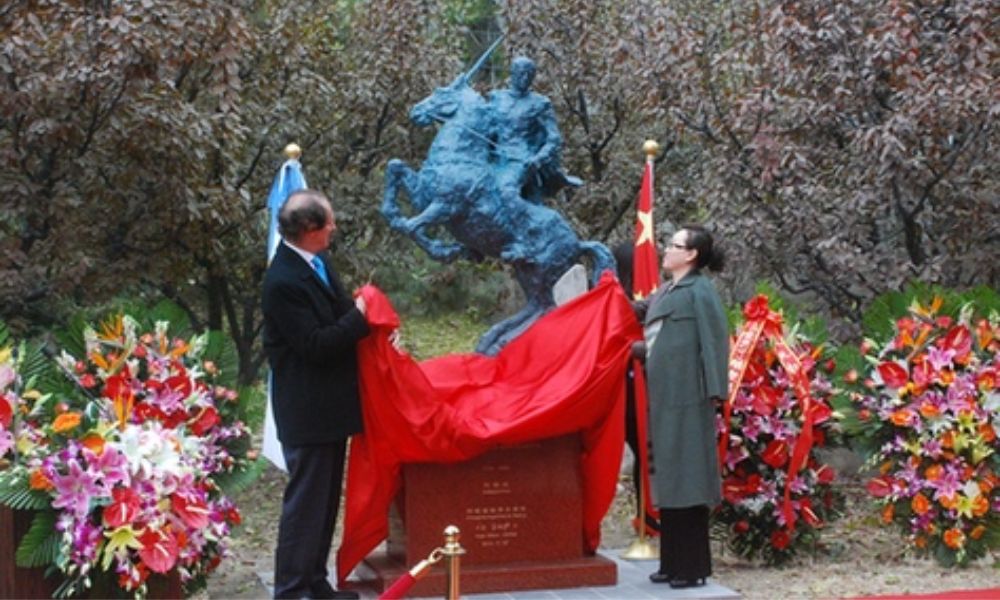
320,268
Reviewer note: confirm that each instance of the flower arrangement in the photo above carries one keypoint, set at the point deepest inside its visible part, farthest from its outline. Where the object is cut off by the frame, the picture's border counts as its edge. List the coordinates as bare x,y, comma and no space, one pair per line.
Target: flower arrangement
125,465
926,399
777,494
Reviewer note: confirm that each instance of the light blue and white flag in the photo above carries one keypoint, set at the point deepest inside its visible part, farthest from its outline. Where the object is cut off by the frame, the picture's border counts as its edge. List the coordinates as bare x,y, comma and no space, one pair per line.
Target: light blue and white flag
289,179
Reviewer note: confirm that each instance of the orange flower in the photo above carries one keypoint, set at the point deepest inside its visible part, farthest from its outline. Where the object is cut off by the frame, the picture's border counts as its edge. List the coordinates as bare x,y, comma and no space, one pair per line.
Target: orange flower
39,481
946,376
920,504
933,473
66,422
986,380
984,332
920,542
980,506
948,439
949,502
954,538
987,484
885,467
901,417
977,532
987,432
94,442
180,349
888,512
928,410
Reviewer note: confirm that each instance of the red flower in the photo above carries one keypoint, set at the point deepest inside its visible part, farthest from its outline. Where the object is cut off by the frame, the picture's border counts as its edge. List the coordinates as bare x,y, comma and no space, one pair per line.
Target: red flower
191,510
205,420
88,381
923,373
732,490
756,308
775,454
159,550
6,413
179,384
741,527
958,339
825,474
144,412
123,509
780,539
174,419
119,385
233,516
128,583
893,375
810,517
880,487
766,400
821,412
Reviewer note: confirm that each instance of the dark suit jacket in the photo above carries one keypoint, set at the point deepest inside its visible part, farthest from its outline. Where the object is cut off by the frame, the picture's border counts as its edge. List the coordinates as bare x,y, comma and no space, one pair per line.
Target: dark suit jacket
310,334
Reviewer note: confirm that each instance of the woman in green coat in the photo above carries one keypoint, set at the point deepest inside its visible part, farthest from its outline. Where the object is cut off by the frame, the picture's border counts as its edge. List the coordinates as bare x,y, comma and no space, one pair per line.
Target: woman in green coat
687,361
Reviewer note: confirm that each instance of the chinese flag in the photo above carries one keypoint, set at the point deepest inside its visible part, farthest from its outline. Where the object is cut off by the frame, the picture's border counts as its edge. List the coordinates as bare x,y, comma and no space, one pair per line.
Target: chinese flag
645,280
645,266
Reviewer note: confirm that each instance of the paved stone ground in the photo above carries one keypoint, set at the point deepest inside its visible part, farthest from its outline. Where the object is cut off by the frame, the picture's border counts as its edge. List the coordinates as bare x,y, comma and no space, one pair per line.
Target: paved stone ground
633,584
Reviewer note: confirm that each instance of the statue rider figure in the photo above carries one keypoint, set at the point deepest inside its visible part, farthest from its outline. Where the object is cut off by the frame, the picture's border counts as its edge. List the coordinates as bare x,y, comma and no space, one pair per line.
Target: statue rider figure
527,141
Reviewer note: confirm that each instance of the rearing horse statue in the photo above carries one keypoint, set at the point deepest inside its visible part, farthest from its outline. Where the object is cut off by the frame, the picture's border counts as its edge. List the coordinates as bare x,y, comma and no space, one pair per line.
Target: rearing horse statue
456,188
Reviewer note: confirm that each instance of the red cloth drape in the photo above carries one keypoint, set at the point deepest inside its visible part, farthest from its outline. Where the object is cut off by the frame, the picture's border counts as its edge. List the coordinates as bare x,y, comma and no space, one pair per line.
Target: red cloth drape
565,374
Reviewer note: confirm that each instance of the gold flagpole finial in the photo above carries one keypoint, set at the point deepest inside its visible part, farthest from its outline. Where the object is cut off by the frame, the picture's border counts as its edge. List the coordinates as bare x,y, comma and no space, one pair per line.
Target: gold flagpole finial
650,147
293,152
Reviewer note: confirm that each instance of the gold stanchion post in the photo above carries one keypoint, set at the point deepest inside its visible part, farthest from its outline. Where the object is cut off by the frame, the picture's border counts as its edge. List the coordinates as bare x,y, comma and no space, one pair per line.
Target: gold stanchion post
642,549
453,552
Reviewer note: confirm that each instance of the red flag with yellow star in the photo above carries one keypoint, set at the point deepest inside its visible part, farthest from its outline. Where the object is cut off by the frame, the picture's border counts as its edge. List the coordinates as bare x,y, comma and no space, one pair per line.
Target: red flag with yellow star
645,268
645,280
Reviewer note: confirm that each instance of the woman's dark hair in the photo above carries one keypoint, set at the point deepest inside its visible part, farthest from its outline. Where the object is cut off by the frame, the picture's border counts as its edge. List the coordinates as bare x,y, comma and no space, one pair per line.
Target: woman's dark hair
698,238
623,253
298,218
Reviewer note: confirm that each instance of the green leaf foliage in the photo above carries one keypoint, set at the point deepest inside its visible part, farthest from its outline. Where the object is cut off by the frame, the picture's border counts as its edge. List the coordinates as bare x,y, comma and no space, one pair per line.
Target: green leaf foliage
40,545
236,481
15,493
220,350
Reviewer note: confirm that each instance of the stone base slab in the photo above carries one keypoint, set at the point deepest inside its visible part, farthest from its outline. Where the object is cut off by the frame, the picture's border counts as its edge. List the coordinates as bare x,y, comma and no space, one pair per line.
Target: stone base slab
380,571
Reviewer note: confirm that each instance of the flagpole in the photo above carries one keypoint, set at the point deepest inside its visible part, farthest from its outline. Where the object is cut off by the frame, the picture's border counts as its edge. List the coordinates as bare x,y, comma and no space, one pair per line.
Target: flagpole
642,549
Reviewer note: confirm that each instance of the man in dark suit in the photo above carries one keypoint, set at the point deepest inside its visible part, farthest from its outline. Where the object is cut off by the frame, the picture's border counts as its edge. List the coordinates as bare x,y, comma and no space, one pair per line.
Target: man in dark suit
311,328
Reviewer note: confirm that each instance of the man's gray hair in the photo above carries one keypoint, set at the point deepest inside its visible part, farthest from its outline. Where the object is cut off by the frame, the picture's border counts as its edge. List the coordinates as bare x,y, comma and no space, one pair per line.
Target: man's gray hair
306,213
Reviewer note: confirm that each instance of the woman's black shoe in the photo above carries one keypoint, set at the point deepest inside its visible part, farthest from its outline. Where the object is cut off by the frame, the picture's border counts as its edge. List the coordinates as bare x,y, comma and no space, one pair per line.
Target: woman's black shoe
678,583
658,577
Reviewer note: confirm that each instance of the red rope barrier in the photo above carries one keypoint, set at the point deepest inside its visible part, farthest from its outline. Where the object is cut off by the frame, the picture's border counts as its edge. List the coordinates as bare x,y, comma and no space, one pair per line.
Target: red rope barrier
399,589
402,585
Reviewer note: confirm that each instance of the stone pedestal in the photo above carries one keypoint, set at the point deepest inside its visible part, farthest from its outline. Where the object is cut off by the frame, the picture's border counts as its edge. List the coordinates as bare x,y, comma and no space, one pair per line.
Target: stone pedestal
519,509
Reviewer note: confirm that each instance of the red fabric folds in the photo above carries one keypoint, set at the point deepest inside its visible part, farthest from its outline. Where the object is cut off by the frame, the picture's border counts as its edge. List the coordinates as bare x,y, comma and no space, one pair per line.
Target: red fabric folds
565,374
